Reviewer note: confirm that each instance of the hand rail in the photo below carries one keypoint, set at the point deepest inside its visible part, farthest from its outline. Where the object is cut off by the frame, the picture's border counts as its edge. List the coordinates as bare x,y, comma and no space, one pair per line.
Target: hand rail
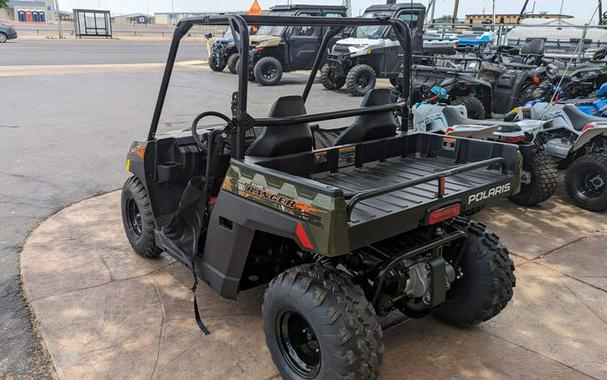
331,115
440,176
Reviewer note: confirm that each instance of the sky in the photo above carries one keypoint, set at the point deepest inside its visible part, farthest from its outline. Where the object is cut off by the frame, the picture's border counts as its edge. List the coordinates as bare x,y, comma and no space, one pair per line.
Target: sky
442,6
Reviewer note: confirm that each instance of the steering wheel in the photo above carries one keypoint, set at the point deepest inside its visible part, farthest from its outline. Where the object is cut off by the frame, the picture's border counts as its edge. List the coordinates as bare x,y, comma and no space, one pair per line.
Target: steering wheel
203,144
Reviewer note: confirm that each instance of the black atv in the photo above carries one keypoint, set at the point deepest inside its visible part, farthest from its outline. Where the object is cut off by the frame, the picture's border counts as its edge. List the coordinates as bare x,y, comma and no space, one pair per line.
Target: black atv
223,52
371,52
514,81
277,49
462,87
366,225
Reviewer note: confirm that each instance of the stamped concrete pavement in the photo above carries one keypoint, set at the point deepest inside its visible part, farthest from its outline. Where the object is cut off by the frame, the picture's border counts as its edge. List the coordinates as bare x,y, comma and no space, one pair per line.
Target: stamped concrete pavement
105,312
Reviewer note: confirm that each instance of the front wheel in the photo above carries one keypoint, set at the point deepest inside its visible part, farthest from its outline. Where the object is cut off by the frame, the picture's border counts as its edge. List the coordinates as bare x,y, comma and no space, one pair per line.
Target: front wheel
137,218
484,281
360,80
319,325
215,62
539,179
586,181
329,80
268,71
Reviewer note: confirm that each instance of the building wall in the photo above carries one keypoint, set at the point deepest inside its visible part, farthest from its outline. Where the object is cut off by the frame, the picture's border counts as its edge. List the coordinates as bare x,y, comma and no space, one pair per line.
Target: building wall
508,18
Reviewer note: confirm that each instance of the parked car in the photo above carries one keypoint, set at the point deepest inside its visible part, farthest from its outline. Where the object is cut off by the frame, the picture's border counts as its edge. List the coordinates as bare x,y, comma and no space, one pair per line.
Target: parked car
7,32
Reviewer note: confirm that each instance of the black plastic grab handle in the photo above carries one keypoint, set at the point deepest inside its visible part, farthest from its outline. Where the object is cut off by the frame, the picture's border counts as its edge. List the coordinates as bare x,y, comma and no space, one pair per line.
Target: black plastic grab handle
356,198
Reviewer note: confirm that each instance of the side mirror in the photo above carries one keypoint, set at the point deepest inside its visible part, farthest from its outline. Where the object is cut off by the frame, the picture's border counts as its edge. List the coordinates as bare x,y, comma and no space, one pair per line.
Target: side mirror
208,36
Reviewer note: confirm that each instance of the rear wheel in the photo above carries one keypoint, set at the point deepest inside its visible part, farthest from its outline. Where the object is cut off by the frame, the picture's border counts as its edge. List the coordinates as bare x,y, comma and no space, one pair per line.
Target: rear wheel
329,80
268,71
3,38
539,180
233,63
474,107
319,325
485,282
360,80
137,218
586,181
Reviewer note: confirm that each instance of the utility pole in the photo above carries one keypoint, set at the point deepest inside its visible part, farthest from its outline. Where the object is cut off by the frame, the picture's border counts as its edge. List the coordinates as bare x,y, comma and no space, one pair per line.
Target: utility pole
348,5
455,9
58,18
173,18
493,25
600,12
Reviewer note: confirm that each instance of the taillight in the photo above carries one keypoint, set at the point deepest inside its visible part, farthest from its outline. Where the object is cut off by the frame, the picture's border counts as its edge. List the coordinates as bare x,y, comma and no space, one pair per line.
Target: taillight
449,130
514,139
536,80
303,238
443,213
587,127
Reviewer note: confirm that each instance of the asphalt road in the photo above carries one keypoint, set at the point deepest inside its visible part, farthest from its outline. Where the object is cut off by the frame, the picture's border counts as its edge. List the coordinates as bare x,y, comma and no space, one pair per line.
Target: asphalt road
94,51
63,138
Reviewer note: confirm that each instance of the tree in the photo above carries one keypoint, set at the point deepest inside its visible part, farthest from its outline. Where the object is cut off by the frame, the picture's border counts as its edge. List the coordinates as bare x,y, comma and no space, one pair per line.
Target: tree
3,4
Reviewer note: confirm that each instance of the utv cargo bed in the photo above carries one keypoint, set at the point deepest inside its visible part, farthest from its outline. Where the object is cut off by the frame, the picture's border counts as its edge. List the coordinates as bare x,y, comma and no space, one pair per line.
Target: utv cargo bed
383,187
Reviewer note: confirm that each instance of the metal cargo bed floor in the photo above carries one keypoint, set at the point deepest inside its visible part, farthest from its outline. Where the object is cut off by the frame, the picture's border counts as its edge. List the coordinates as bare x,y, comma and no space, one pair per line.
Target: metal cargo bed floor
398,170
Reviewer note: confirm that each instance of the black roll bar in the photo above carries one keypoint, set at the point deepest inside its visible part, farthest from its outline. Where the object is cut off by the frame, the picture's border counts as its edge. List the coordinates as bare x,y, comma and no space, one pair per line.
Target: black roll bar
240,29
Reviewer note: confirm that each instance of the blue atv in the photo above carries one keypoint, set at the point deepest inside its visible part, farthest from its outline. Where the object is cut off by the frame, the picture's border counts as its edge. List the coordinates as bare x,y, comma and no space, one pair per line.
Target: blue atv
593,106
223,52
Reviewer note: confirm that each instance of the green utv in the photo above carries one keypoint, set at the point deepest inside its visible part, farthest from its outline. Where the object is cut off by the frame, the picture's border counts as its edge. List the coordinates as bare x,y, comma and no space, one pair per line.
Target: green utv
278,49
345,228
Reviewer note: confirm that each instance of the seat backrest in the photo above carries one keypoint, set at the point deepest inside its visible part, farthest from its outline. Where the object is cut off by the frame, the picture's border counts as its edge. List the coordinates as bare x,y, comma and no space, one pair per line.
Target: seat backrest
535,46
372,126
284,139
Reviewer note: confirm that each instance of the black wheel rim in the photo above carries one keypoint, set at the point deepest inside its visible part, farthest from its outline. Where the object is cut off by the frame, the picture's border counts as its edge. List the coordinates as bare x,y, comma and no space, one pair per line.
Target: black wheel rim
298,343
592,184
134,217
269,72
363,80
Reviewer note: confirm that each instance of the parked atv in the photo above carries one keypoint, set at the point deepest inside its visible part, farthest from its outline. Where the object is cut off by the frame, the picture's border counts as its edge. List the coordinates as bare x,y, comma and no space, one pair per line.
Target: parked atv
595,106
578,143
278,49
344,234
371,52
462,87
223,53
539,179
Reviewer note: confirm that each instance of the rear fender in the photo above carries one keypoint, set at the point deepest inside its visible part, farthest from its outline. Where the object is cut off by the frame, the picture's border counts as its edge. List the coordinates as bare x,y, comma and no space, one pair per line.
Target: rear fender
588,136
481,132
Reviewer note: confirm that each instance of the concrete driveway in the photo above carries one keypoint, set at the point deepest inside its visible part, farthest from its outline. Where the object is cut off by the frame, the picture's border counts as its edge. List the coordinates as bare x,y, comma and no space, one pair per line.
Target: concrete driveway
105,312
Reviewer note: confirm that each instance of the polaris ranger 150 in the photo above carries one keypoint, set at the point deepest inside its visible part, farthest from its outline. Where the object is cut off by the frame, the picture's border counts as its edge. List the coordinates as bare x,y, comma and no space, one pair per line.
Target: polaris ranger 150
277,49
364,226
372,51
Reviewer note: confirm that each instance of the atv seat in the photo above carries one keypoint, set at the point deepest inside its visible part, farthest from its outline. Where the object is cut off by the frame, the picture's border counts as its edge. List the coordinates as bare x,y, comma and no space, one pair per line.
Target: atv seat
454,118
283,140
578,118
372,126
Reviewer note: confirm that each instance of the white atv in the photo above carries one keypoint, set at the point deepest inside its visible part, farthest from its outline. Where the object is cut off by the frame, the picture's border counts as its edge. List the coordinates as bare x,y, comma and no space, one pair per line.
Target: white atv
539,179
578,143
372,51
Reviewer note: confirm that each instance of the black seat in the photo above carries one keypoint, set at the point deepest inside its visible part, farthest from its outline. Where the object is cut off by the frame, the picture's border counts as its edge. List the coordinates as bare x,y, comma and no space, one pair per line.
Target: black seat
534,47
578,118
286,139
372,126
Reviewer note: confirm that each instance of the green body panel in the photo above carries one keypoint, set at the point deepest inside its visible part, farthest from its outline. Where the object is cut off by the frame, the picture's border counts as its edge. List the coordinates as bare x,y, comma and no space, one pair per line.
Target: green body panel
324,216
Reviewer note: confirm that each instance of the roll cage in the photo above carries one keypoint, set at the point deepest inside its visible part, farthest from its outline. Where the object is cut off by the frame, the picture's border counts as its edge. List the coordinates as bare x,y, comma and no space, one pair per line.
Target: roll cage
241,121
